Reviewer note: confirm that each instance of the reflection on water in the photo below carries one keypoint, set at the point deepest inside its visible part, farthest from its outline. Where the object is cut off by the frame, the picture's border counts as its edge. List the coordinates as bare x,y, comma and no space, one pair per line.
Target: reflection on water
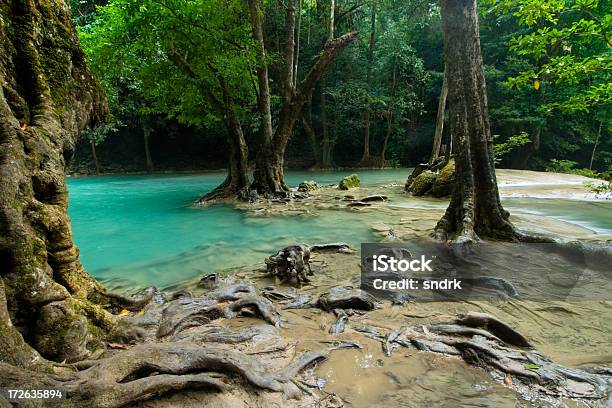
141,228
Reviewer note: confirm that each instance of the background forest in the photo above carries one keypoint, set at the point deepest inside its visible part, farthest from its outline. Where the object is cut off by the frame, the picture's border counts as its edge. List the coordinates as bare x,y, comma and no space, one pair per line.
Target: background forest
547,65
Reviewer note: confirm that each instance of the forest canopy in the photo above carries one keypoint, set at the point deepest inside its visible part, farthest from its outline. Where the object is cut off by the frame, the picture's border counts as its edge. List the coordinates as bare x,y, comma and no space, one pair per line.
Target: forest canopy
547,66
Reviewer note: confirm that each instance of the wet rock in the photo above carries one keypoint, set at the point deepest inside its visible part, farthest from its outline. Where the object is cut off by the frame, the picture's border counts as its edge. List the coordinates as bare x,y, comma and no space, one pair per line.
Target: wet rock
423,183
307,186
348,182
346,298
443,186
358,204
376,197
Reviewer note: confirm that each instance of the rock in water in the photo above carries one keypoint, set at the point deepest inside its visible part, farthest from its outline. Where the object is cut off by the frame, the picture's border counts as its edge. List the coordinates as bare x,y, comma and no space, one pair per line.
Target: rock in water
346,298
376,197
423,183
351,181
307,186
443,186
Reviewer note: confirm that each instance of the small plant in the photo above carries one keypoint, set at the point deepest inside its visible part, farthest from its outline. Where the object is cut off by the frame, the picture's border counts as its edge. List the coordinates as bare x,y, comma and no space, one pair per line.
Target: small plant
513,142
601,190
561,166
568,166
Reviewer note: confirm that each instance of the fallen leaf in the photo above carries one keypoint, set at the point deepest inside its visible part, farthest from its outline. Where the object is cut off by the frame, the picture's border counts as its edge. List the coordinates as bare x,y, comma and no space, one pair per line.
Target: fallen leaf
532,366
536,84
508,380
124,312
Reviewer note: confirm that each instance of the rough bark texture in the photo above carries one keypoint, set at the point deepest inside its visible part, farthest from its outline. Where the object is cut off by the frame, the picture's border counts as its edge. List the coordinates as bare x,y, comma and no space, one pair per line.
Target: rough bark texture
268,177
236,184
475,209
435,152
365,158
48,95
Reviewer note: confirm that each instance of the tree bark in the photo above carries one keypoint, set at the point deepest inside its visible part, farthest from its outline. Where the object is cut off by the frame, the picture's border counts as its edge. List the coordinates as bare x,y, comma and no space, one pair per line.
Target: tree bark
475,209
595,145
47,300
236,184
365,158
435,152
389,117
95,156
268,177
146,134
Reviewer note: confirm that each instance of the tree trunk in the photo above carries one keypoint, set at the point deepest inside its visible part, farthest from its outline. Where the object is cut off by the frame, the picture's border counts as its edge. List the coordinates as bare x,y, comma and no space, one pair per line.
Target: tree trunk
389,118
236,182
47,300
365,158
268,177
595,146
435,152
95,156
146,134
475,209
314,142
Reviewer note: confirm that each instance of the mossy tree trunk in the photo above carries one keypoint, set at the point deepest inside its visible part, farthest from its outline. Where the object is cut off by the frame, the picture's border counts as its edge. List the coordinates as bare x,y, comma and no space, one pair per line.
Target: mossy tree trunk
47,301
475,209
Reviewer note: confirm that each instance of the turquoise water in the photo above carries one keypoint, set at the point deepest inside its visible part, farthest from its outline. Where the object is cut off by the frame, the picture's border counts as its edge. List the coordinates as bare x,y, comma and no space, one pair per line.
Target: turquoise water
140,229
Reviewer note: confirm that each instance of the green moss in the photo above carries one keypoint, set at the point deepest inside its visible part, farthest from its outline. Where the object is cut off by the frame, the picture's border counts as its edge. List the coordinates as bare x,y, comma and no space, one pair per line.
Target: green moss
423,183
307,186
443,185
351,181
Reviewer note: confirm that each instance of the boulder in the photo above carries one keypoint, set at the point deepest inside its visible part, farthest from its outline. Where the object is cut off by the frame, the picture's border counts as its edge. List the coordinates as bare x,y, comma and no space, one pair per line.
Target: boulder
423,183
443,186
351,181
307,186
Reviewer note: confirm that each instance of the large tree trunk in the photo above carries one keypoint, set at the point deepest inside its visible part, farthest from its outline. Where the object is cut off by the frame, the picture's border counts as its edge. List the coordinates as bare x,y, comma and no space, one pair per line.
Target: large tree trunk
475,209
48,96
435,152
236,184
383,152
268,177
365,158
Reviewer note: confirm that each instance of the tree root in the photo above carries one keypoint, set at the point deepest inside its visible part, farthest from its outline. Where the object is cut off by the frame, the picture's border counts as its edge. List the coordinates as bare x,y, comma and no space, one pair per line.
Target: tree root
257,306
485,341
149,370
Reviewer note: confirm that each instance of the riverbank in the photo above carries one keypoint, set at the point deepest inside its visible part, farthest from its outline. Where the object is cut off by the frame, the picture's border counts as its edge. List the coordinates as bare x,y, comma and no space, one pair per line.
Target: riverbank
233,242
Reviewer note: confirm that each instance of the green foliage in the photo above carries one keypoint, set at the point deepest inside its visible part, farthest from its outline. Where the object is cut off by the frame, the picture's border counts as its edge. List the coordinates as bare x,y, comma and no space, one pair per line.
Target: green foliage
568,166
348,182
510,144
601,190
133,45
567,45
98,134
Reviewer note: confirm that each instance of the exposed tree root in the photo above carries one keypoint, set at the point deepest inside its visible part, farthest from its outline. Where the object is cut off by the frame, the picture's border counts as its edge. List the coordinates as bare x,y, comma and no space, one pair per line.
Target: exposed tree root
150,370
485,341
